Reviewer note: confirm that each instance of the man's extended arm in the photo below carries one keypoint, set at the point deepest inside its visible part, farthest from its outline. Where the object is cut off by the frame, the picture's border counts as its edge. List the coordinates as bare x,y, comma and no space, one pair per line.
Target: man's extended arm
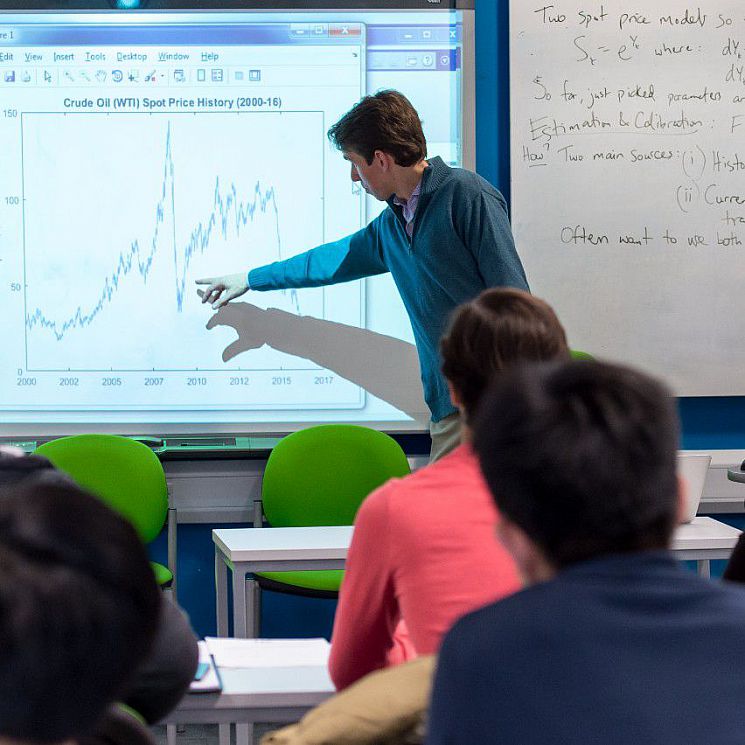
356,256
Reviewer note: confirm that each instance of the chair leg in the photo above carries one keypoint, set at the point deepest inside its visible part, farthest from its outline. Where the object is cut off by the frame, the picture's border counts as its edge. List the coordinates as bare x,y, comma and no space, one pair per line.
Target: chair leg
170,734
257,609
258,514
172,538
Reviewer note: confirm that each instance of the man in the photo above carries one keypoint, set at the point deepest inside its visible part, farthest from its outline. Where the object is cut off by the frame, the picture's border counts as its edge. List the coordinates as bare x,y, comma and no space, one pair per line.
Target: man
445,237
613,641
78,610
163,677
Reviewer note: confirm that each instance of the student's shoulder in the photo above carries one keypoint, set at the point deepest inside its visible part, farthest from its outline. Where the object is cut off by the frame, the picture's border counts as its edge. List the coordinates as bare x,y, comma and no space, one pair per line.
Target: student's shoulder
729,595
518,617
416,496
457,470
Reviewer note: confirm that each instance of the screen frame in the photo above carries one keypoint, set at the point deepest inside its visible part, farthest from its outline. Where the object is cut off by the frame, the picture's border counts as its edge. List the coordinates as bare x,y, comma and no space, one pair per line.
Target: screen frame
13,431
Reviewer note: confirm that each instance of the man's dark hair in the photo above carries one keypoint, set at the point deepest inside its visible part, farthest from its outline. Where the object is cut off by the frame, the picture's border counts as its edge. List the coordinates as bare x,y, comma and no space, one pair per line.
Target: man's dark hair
78,607
384,121
498,329
582,457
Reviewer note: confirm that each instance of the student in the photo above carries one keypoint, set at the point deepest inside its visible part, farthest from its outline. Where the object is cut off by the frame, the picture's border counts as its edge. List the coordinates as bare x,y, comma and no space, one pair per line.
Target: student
163,678
444,237
614,642
423,548
78,610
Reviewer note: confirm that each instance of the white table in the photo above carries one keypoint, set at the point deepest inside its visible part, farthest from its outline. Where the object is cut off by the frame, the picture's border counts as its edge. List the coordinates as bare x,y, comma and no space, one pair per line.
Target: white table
281,694
702,540
249,550
256,695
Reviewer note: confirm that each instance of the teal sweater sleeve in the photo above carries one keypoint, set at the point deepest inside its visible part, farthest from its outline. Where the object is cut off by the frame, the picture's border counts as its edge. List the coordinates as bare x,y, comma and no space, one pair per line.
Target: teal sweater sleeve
356,256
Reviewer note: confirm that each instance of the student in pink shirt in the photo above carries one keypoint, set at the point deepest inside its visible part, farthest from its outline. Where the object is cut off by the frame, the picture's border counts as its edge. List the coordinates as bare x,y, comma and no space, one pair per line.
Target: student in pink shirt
423,551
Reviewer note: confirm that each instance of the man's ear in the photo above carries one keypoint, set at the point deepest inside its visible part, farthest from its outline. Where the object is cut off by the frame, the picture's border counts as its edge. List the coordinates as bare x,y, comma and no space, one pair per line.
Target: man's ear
531,563
384,160
454,397
513,539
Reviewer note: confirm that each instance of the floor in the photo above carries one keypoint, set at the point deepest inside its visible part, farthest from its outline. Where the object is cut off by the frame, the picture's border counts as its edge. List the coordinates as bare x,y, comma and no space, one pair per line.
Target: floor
204,734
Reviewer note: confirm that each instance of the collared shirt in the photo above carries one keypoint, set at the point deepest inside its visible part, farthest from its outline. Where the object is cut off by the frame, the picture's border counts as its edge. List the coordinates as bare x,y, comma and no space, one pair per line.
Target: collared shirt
409,207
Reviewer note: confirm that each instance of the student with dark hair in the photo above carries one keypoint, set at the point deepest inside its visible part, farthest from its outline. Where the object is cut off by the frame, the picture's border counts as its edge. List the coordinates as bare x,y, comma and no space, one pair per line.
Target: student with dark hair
78,610
423,550
445,237
613,641
163,677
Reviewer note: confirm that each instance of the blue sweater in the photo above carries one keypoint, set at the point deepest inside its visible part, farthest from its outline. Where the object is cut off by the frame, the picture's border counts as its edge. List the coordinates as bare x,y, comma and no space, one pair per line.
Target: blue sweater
461,244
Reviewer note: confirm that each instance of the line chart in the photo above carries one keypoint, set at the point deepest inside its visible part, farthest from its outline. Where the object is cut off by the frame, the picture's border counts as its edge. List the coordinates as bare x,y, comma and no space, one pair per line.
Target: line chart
111,260
227,206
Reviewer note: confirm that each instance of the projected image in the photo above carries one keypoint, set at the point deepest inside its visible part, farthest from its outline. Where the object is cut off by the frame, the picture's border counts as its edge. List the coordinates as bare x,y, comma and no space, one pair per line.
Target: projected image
138,157
110,271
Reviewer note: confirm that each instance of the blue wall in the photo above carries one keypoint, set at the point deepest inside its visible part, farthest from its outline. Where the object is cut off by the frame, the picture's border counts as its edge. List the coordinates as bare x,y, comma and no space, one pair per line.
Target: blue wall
707,422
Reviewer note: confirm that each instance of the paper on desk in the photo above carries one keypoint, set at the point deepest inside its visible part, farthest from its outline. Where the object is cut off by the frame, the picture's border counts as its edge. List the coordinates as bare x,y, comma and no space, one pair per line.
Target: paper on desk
210,681
249,653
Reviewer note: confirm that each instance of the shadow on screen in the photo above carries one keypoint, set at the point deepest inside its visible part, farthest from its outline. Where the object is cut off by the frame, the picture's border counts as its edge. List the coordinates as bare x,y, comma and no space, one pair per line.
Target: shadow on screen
385,367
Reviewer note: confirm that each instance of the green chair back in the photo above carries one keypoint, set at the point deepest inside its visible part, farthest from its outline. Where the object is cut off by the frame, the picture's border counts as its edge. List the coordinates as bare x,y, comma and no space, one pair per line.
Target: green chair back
577,355
125,474
321,475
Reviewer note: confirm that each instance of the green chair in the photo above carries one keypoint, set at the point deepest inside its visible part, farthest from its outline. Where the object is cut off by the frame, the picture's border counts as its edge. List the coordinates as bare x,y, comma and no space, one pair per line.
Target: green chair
320,476
128,476
577,355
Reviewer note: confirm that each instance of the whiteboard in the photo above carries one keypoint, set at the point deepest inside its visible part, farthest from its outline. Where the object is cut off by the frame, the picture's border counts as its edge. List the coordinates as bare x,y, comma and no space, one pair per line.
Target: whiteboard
628,180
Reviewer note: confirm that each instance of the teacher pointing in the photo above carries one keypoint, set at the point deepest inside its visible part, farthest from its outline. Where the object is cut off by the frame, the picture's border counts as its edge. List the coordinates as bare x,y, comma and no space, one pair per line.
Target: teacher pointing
444,237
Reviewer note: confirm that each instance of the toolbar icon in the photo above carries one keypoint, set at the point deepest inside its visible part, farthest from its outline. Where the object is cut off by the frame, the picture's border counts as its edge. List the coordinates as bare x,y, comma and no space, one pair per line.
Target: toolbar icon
10,76
179,76
26,77
201,75
117,76
48,76
217,75
150,77
134,76
254,75
101,76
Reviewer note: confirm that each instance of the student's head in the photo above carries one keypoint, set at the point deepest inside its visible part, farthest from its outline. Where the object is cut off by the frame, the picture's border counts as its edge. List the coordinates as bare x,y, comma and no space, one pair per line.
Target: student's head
580,458
500,328
78,606
379,134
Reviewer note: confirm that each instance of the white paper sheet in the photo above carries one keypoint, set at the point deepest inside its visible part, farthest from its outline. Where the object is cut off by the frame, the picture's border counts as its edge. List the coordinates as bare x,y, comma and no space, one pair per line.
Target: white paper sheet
250,653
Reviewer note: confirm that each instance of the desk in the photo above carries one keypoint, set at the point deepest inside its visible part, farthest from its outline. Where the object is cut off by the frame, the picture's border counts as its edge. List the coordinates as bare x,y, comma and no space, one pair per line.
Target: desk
248,550
281,694
702,540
